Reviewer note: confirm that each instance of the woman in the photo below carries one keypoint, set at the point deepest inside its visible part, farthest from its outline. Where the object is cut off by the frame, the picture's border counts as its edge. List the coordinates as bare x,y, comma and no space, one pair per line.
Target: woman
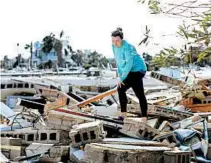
131,69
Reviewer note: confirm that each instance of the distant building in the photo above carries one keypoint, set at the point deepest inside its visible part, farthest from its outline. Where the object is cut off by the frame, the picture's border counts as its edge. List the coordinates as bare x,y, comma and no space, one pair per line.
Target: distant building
39,57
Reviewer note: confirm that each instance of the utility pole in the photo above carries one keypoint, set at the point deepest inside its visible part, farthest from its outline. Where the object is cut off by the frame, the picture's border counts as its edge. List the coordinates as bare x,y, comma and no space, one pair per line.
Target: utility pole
31,50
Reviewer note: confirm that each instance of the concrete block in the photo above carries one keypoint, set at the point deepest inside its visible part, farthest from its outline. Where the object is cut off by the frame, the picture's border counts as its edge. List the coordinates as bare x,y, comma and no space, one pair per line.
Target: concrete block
166,126
153,122
11,141
189,121
61,121
134,127
29,136
169,113
12,152
100,153
58,151
177,157
87,133
168,138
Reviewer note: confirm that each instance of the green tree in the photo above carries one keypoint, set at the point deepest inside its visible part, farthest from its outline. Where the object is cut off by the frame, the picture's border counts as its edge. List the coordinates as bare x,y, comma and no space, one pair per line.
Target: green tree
51,42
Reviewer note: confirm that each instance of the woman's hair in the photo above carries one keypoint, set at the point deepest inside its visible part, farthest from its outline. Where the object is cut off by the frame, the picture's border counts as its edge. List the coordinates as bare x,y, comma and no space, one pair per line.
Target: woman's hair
117,32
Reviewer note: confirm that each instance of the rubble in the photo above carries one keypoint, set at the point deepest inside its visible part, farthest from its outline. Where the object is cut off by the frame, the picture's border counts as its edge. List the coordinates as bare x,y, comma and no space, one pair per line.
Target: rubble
58,126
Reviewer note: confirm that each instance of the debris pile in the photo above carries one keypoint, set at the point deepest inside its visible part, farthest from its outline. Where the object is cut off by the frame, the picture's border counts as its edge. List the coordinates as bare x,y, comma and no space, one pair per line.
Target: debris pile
54,126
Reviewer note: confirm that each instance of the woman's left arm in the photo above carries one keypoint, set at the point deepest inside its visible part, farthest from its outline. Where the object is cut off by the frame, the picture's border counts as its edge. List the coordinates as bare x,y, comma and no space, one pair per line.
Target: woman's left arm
130,52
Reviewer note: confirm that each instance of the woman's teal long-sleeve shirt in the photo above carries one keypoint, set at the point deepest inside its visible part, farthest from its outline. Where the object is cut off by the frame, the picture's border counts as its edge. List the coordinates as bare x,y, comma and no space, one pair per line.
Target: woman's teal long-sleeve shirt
127,60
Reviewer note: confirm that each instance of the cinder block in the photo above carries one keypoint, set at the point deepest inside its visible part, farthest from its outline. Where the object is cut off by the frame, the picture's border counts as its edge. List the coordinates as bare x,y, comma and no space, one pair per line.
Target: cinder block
177,157
61,121
153,122
26,135
167,138
48,136
11,141
168,113
11,152
189,121
136,128
87,133
58,151
165,126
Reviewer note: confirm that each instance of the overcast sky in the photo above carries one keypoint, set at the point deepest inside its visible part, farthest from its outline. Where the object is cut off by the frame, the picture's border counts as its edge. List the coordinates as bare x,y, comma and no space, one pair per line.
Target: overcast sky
88,23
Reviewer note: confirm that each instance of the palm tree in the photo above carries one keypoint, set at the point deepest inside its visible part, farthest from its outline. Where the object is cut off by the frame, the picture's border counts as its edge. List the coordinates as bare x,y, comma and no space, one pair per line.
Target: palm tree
50,42
30,46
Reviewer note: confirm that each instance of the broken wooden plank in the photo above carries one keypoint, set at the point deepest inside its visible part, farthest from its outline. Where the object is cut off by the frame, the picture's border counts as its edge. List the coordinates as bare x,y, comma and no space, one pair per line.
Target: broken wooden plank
98,97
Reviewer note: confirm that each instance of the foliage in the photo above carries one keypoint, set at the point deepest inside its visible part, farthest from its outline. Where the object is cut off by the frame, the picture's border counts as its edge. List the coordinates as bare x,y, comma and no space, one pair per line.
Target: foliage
47,65
50,42
197,35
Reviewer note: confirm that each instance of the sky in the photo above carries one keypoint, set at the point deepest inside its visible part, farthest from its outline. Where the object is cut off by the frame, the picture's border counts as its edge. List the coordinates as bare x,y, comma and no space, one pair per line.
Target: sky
88,23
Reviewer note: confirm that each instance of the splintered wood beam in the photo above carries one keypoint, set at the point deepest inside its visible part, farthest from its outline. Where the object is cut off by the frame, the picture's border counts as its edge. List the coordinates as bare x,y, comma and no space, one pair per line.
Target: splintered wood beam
98,97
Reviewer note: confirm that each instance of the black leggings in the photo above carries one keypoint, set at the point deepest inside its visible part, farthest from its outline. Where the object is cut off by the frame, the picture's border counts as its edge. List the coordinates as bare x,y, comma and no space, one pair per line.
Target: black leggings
134,80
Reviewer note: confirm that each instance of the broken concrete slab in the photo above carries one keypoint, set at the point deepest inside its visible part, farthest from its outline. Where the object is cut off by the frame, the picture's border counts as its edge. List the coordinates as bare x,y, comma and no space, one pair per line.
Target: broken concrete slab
58,151
55,154
132,141
87,133
135,128
37,148
100,153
